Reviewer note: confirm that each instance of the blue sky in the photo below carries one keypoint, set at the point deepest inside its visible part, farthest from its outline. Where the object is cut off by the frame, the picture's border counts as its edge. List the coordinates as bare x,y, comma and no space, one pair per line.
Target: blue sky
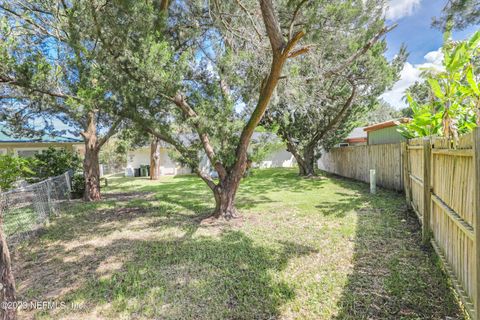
414,18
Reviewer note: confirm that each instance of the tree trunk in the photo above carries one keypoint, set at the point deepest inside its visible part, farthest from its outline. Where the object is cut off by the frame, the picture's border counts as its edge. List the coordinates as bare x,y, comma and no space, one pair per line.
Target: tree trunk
306,162
224,194
307,166
91,165
91,170
155,159
7,281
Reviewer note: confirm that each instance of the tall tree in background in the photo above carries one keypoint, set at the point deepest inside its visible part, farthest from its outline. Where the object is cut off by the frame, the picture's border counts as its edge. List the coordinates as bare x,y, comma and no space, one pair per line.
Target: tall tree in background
337,82
48,71
382,112
458,14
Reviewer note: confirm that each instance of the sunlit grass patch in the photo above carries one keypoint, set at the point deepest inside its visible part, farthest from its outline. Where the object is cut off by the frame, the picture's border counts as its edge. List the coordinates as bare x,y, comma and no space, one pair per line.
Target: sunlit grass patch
304,248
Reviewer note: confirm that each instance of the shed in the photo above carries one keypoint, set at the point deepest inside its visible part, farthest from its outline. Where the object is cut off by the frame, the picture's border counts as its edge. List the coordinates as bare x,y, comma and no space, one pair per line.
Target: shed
385,132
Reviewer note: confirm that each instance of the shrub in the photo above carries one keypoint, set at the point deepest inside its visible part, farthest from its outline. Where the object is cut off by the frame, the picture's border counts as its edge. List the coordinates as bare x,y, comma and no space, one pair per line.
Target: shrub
13,169
53,162
78,185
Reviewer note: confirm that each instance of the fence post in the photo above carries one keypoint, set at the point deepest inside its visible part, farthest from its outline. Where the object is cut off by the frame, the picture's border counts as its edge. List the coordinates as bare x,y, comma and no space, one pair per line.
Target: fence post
69,185
373,181
427,198
49,196
406,173
476,208
67,180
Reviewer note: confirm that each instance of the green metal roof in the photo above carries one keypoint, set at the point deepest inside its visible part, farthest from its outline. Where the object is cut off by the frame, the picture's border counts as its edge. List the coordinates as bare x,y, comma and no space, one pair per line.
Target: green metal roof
4,138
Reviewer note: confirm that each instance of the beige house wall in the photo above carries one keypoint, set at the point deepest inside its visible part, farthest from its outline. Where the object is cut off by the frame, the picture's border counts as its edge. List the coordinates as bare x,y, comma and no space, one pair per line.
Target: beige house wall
12,148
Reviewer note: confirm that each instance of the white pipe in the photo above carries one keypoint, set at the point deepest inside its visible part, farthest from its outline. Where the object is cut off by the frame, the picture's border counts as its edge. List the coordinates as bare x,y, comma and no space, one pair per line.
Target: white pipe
373,182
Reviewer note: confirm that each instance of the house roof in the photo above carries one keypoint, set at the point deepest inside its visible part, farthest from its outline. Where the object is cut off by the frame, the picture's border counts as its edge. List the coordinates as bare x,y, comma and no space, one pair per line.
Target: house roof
5,138
357,133
386,124
354,140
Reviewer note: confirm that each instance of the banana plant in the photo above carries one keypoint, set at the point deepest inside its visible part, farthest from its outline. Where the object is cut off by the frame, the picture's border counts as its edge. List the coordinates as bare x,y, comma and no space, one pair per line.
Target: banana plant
454,107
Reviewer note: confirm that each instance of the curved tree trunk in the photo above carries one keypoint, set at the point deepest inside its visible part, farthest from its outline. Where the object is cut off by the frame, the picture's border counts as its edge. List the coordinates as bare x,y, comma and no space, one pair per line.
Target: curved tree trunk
7,281
155,159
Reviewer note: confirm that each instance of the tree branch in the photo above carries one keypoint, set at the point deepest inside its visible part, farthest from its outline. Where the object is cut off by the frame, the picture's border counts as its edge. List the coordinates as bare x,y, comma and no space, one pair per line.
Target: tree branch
361,51
29,21
16,83
110,133
179,101
320,134
273,27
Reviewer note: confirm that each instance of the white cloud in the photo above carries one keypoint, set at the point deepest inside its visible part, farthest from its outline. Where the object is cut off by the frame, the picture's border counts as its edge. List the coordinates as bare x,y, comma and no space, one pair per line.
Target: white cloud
409,74
401,8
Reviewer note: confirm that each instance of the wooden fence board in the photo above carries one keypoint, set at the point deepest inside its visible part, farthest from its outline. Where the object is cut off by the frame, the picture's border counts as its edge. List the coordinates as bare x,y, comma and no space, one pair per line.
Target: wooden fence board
441,179
356,162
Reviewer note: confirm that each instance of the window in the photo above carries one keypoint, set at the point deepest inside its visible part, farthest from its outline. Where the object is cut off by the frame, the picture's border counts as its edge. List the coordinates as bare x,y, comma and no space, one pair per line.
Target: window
343,144
28,153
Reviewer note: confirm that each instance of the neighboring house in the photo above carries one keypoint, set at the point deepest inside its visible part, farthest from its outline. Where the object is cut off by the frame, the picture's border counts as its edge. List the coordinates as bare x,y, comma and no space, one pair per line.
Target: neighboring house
27,147
385,132
141,157
357,137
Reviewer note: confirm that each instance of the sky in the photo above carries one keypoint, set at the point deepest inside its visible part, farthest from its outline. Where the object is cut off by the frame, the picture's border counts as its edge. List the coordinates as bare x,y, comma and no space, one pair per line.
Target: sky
414,18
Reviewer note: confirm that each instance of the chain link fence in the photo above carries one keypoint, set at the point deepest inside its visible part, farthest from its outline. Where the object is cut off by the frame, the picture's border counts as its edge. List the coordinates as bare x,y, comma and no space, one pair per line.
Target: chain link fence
26,210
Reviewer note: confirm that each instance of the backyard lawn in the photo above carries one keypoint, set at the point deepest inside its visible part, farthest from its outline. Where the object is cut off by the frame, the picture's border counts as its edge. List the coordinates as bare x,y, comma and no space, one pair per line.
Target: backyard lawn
319,248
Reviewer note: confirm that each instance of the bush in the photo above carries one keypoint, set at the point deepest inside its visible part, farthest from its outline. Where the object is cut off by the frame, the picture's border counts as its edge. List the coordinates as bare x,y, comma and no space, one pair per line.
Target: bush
53,162
78,185
13,169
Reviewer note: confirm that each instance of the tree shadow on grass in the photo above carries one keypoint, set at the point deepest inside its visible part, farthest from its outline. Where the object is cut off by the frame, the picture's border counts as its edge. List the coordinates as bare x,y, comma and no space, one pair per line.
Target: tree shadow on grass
224,277
190,193
393,275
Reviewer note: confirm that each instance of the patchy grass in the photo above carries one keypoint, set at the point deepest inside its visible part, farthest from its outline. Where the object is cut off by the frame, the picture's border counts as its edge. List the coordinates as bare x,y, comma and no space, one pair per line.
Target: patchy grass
306,249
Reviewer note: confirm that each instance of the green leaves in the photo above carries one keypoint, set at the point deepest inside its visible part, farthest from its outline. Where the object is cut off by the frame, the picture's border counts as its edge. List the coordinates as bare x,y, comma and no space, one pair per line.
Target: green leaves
471,81
12,170
454,94
436,89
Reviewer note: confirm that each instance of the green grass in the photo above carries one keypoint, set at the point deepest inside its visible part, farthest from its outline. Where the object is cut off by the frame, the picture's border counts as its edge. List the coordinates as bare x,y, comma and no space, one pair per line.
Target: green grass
304,248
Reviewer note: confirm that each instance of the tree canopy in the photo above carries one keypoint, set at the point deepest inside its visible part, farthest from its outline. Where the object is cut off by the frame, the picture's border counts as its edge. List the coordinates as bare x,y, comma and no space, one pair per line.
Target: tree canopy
330,89
458,14
197,75
50,70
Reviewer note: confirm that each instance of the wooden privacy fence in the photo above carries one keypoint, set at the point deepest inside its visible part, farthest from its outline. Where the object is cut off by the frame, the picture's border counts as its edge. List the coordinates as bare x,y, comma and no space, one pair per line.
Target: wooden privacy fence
356,162
442,187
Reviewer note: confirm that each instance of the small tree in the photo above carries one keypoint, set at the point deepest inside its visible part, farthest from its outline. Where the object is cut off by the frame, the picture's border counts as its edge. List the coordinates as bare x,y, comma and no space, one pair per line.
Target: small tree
185,75
454,104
